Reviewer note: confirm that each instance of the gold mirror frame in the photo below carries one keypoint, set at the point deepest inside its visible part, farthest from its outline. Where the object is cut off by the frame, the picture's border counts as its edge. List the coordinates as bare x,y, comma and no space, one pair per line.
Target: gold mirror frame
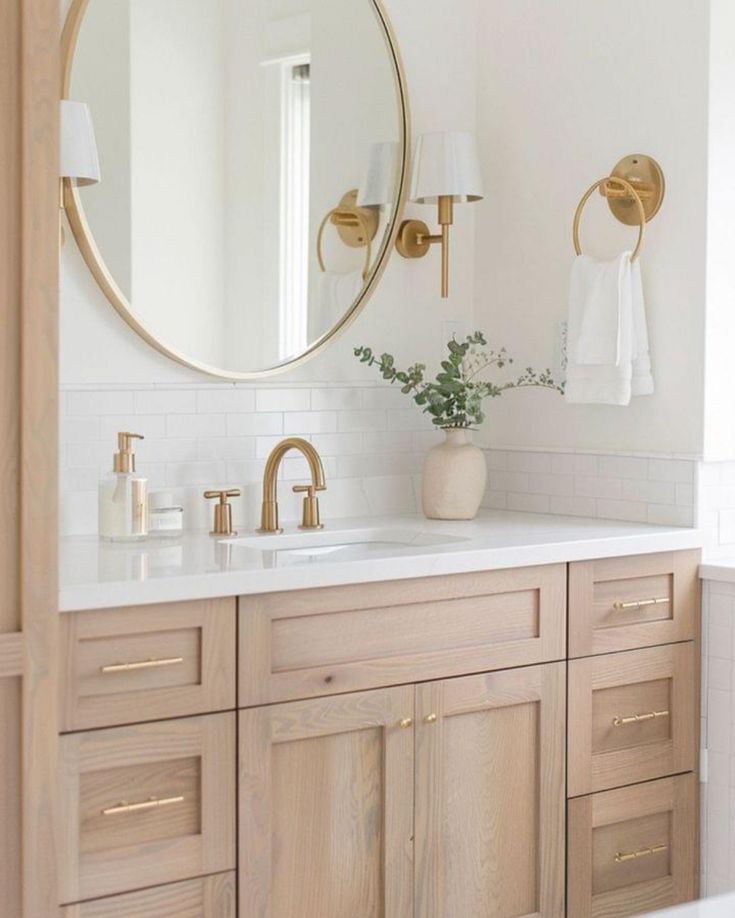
95,262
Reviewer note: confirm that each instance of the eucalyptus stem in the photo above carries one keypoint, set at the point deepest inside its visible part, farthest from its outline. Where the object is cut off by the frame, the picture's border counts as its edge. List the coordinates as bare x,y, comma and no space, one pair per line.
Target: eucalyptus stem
455,397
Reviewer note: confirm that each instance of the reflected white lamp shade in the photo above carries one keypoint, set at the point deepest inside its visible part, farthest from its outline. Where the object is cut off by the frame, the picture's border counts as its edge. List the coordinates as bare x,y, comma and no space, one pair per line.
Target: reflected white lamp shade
446,164
78,148
378,187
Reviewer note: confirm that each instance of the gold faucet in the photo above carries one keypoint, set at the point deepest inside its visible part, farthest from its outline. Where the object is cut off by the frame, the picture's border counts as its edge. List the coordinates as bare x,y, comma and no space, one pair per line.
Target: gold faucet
310,517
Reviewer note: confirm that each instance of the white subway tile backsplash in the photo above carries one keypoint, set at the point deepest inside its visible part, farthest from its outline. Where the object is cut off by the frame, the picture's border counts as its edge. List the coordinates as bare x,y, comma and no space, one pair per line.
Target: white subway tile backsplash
254,425
311,422
225,401
607,488
100,403
283,400
195,425
166,401
372,441
349,399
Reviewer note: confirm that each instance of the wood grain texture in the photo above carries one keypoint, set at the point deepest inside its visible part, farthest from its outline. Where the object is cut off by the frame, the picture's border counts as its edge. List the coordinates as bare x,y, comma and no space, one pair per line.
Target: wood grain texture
619,821
11,655
596,627
208,897
202,633
10,800
194,757
603,756
349,638
490,795
326,808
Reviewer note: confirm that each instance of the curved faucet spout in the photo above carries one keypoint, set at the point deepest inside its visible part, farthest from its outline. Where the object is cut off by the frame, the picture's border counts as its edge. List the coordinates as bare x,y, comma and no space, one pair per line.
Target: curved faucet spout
269,513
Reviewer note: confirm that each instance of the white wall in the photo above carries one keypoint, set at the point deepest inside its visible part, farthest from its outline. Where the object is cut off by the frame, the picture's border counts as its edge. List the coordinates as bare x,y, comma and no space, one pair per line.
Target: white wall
406,315
720,384
566,89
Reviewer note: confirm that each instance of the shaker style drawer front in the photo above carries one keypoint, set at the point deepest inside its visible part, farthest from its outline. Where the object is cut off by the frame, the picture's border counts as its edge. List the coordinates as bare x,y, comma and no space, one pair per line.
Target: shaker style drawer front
208,897
622,603
348,638
633,850
146,805
632,717
124,666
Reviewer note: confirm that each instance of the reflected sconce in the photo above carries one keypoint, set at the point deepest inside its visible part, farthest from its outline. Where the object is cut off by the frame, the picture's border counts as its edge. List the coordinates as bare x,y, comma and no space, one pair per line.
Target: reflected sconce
378,187
446,171
78,158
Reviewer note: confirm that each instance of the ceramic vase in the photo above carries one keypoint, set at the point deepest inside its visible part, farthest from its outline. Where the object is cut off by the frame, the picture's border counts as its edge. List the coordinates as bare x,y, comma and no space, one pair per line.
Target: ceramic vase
454,478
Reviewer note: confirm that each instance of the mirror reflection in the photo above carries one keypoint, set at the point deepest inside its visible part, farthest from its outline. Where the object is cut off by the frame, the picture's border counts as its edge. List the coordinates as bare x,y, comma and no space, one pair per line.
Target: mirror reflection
251,156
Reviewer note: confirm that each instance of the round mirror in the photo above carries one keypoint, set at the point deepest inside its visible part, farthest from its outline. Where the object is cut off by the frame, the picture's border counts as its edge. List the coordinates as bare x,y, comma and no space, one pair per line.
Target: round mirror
252,168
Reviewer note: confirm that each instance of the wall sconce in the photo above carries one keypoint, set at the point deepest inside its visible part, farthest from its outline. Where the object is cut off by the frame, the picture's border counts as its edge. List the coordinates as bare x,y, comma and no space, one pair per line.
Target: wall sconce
378,186
446,171
78,158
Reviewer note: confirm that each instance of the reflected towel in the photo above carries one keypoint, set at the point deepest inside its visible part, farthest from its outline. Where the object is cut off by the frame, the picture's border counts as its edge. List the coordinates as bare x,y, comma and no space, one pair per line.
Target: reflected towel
337,293
608,359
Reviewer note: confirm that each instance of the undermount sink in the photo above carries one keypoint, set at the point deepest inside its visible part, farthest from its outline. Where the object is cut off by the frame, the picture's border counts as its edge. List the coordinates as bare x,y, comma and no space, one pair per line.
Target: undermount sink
338,544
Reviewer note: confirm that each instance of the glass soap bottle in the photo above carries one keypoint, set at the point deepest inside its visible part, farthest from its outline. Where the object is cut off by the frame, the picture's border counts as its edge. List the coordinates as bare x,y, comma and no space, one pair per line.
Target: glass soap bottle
123,496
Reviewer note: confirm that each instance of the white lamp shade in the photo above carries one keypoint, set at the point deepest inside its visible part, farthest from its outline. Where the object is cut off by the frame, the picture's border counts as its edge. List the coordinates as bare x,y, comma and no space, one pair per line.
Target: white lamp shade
446,163
78,148
378,186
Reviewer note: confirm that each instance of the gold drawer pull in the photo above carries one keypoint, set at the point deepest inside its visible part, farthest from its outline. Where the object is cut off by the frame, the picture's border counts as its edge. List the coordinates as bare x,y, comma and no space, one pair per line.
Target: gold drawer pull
623,721
141,664
622,856
640,603
153,804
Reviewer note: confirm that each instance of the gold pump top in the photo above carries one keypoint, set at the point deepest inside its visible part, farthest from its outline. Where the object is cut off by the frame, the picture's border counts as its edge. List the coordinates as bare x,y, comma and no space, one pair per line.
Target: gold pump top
124,459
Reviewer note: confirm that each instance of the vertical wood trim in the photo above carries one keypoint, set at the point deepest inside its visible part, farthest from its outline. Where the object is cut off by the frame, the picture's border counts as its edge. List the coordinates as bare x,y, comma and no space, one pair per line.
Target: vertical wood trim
39,70
10,208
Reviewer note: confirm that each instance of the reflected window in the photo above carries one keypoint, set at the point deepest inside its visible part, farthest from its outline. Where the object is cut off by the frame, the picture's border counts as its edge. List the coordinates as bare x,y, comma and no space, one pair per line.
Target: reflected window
294,242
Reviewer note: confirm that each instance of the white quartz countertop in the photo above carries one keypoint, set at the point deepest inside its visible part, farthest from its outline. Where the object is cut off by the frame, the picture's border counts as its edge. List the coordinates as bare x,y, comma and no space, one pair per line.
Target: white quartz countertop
95,575
719,907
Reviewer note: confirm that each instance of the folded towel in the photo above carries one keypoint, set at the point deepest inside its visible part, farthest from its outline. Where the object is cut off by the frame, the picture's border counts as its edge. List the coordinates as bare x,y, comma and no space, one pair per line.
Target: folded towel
607,344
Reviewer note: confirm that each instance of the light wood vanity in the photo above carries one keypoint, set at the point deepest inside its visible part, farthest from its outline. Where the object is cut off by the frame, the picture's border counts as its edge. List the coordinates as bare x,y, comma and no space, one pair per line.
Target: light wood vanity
485,745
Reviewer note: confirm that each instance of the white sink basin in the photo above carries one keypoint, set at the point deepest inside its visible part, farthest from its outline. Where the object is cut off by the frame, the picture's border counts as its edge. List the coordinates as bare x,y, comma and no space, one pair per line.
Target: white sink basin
336,545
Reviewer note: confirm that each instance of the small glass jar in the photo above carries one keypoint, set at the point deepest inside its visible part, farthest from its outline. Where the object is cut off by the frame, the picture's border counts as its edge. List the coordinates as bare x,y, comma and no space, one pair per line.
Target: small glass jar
165,517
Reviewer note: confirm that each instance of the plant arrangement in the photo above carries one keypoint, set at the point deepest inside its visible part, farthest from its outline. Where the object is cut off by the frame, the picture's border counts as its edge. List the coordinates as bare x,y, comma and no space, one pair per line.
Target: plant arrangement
455,397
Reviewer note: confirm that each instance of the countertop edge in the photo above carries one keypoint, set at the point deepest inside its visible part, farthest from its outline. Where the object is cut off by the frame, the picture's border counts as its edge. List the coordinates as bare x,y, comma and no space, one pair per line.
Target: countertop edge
110,595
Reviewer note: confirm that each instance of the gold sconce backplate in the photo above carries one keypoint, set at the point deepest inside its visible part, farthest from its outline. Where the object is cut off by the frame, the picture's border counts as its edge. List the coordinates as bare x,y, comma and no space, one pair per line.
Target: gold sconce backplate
351,229
408,243
646,176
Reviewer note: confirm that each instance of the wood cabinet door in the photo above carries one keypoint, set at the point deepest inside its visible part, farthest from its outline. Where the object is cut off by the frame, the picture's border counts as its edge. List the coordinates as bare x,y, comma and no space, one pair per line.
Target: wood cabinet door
490,795
326,807
633,850
146,805
632,717
638,601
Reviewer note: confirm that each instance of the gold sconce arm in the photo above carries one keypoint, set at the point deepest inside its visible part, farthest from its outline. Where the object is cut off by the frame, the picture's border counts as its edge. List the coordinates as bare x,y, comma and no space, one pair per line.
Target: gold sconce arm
415,239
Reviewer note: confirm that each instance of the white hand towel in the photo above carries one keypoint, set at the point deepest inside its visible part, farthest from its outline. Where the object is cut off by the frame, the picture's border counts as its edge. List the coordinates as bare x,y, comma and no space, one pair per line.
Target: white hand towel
608,358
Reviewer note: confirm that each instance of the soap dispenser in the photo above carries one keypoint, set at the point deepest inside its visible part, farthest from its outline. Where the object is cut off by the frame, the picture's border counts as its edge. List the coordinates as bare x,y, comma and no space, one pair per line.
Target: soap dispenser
123,496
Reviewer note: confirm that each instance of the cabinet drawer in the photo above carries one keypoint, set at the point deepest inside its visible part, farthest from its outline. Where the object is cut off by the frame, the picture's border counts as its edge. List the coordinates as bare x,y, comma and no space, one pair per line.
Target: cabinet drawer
632,717
623,603
349,638
147,663
633,850
146,805
208,897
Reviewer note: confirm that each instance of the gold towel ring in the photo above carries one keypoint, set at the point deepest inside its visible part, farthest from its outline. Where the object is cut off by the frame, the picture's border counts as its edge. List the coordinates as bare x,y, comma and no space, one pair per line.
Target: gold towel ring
631,192
352,214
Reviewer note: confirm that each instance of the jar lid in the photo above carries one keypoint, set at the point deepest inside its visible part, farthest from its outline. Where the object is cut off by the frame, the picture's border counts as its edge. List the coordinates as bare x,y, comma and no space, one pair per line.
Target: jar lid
158,500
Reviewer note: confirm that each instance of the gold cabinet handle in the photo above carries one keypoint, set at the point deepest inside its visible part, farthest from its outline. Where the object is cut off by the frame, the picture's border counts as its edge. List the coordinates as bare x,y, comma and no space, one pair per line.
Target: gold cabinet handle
405,723
140,664
430,718
623,720
153,804
619,605
622,856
